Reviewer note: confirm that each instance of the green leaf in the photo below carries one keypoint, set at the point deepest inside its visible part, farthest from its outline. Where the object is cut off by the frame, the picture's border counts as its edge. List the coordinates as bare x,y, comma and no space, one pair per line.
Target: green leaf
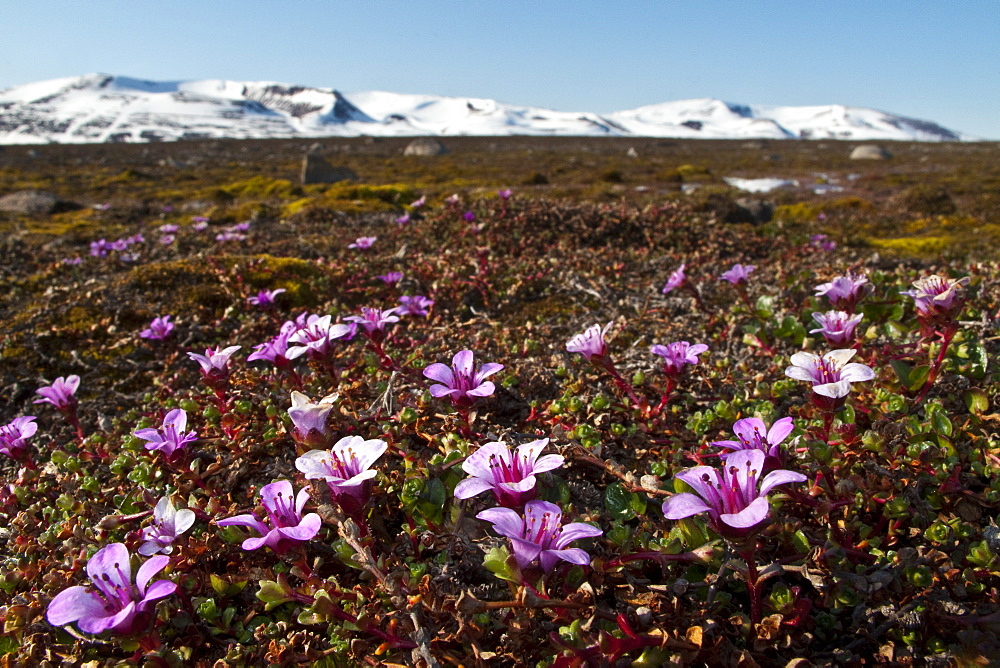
902,370
764,308
274,593
918,376
621,504
976,401
941,423
500,562
980,361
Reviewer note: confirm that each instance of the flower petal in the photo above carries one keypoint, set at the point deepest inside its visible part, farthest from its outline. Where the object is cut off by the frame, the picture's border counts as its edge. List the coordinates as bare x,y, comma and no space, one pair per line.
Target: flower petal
470,487
780,430
72,604
779,477
836,390
146,572
463,363
683,505
755,513
505,521
856,372
307,528
442,373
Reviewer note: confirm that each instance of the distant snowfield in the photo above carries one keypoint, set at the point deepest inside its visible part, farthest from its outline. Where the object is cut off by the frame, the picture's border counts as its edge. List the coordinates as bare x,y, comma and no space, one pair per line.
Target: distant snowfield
760,185
105,108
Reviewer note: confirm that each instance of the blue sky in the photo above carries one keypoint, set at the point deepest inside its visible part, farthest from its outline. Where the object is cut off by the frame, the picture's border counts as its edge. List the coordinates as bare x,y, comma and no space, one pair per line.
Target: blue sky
938,61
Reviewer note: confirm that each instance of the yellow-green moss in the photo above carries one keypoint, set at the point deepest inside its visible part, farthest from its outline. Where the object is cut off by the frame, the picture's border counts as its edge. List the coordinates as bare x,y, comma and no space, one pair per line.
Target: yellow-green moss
915,246
262,187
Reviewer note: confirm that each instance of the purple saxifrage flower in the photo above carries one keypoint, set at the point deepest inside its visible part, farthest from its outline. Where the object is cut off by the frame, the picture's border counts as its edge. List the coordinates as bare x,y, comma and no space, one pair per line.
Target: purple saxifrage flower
264,299
373,321
362,243
678,355
417,204
510,476
590,343
505,193
309,419
403,220
168,524
675,281
844,292
753,434
462,382
391,278
13,435
215,364
415,305
468,216
275,351
61,393
837,327
158,330
286,525
938,298
831,375
118,605
540,534
730,495
171,438
347,470
738,274
316,336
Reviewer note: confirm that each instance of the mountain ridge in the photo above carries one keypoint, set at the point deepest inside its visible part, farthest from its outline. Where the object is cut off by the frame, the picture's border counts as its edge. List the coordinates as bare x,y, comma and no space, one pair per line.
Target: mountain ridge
98,108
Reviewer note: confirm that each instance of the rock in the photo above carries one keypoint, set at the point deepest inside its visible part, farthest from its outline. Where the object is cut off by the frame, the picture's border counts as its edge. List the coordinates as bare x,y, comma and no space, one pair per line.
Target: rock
315,169
632,153
759,210
870,152
425,146
32,203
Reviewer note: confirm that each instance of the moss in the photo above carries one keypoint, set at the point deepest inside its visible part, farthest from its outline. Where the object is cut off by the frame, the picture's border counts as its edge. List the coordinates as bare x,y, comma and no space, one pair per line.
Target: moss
396,193
694,173
262,187
293,208
915,246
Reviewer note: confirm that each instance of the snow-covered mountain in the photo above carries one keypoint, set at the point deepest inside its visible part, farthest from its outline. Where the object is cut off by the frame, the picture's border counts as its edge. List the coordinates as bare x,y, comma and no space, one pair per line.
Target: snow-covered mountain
105,108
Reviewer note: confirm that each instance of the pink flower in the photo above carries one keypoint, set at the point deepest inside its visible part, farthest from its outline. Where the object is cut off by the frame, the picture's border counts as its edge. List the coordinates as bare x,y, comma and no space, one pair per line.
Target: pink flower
415,305
391,278
215,362
373,321
13,437
837,327
264,299
362,243
316,336
275,350
309,418
540,534
678,355
171,437
831,375
736,507
286,524
753,434
117,605
738,274
346,468
938,298
161,328
61,393
590,343
844,292
168,524
675,281
463,383
510,476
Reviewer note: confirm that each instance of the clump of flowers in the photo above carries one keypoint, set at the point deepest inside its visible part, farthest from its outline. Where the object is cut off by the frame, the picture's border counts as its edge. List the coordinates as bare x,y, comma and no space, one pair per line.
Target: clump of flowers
170,439
275,351
285,526
539,535
158,330
509,476
168,525
463,382
830,375
117,605
676,357
346,468
13,438
837,327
